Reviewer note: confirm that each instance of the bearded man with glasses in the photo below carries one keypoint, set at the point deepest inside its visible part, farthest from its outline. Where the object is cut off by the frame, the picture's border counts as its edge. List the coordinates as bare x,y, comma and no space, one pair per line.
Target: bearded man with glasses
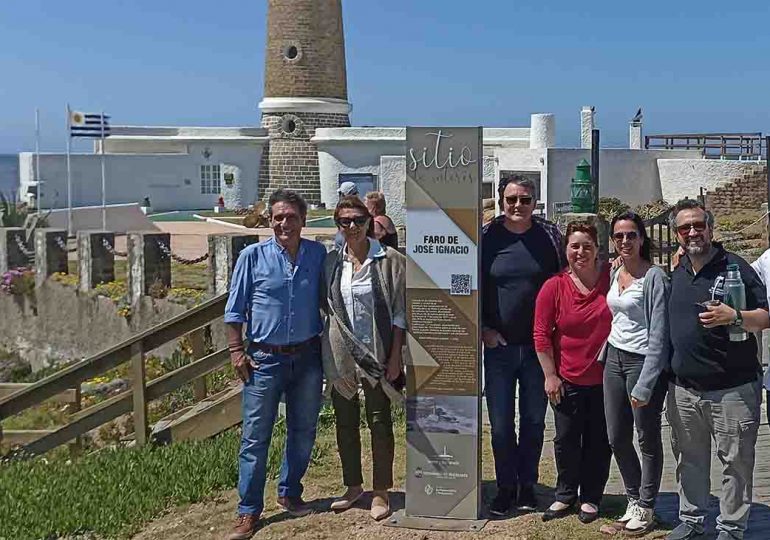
716,389
519,253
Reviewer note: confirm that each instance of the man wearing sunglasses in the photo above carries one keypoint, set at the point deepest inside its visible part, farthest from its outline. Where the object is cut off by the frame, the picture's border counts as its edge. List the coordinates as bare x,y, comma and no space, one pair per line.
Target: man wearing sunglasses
519,253
716,388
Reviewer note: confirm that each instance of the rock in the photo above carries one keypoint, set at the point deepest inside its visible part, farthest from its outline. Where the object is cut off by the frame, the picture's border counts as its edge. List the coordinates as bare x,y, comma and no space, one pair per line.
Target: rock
13,368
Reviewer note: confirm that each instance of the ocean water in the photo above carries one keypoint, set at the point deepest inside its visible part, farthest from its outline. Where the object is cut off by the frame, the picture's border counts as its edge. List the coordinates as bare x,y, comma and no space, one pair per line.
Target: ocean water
9,174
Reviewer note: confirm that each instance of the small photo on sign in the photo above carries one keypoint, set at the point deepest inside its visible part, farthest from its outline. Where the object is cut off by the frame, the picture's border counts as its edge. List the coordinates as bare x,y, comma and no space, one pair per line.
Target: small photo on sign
442,414
460,285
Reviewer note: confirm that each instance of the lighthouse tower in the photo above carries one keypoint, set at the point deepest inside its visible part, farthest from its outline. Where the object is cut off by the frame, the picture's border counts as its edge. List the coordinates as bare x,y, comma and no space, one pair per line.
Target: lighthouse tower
305,88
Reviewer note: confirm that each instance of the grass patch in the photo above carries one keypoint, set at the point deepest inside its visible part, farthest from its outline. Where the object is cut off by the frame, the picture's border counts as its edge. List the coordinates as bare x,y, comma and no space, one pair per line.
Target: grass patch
114,492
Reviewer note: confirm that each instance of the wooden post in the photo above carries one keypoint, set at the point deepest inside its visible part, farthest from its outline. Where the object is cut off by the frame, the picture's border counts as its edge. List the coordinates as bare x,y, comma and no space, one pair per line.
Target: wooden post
139,390
73,408
199,351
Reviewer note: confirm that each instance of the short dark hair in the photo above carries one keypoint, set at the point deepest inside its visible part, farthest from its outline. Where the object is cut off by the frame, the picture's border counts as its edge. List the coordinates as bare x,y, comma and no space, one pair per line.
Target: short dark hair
352,202
639,222
287,196
519,180
583,227
689,204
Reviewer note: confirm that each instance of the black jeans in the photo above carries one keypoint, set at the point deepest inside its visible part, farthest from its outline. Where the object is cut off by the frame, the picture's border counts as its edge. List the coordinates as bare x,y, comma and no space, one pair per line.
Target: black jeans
581,448
642,480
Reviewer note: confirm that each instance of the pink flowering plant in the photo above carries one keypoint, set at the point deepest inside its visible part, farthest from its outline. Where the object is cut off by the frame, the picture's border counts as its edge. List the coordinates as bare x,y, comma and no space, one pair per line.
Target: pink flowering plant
18,281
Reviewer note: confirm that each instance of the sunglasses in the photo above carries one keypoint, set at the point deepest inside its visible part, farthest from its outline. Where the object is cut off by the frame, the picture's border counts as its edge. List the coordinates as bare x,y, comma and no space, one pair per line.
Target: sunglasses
346,222
620,236
513,199
699,226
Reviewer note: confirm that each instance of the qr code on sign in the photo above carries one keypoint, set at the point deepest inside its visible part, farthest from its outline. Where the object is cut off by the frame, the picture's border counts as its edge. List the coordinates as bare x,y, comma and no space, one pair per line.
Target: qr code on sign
461,284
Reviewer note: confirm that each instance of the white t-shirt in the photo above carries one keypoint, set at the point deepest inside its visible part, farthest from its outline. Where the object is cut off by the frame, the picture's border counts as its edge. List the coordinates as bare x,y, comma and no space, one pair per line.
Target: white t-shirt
629,326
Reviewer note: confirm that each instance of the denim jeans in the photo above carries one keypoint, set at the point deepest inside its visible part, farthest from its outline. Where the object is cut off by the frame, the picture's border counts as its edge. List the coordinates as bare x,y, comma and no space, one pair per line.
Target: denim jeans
299,376
516,461
640,477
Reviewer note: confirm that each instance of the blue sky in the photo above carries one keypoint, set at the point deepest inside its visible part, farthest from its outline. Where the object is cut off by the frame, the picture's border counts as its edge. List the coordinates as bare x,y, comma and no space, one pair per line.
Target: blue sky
693,65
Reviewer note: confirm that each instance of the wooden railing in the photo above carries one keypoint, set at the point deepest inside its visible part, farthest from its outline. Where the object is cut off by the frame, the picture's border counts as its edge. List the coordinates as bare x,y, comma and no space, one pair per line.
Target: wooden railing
134,400
713,145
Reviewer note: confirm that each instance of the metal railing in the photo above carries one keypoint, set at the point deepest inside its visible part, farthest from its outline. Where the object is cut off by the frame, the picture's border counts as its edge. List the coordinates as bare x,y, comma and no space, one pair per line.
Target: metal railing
738,146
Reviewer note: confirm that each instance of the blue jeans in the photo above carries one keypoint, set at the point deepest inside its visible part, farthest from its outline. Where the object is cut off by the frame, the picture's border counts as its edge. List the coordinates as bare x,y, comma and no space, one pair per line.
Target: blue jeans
516,462
299,376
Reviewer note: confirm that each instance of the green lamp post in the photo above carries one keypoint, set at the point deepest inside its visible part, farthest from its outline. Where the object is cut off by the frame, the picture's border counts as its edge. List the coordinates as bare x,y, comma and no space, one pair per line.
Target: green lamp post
582,189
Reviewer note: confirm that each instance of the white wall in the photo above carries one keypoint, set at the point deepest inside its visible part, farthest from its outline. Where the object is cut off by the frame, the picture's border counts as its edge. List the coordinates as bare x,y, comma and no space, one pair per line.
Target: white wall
682,178
630,175
131,177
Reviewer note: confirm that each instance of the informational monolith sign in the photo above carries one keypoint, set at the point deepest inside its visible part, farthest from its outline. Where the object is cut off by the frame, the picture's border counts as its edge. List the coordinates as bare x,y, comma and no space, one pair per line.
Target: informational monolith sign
443,223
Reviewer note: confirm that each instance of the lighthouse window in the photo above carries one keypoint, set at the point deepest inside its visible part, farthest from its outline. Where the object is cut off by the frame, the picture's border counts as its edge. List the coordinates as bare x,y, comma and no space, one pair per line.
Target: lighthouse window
291,52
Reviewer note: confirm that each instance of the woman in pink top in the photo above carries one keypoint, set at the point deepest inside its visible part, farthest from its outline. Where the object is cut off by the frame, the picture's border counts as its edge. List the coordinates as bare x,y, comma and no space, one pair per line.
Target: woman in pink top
572,323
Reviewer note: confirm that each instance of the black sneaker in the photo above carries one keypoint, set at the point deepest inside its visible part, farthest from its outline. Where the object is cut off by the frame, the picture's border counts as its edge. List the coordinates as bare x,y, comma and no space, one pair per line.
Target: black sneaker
504,499
527,501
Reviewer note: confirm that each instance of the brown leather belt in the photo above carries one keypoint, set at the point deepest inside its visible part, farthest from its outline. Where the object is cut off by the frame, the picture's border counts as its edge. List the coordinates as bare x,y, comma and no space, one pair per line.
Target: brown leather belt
292,348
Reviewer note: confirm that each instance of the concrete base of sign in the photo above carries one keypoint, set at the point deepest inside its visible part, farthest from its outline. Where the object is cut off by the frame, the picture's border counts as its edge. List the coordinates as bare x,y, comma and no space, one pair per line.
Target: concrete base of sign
400,520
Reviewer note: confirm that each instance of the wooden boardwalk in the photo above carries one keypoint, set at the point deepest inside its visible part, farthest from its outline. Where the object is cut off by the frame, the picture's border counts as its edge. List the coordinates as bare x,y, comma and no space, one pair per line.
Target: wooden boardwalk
667,507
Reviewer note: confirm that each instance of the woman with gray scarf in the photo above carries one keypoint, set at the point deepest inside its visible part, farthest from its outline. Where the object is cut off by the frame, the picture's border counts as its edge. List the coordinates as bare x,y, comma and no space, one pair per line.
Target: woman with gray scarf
366,293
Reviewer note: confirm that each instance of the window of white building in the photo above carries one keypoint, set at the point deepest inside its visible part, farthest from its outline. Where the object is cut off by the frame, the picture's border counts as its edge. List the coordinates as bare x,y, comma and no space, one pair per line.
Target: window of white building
210,180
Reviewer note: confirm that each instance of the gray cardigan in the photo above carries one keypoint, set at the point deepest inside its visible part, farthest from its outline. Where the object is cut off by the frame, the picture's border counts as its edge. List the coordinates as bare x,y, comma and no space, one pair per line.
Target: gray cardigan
656,291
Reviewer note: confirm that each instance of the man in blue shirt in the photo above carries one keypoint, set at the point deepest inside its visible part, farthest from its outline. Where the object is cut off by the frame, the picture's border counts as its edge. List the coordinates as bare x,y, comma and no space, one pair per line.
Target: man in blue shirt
276,292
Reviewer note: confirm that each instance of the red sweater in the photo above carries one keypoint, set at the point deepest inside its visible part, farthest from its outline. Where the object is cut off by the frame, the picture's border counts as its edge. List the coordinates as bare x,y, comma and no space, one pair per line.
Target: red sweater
573,326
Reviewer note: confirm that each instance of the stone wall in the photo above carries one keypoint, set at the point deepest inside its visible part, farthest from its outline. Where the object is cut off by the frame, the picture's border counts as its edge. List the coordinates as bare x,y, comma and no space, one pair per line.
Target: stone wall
291,160
305,52
747,192
63,325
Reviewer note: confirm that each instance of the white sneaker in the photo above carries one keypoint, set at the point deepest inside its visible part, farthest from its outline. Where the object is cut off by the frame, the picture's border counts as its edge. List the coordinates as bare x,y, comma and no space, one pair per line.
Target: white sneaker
630,509
642,522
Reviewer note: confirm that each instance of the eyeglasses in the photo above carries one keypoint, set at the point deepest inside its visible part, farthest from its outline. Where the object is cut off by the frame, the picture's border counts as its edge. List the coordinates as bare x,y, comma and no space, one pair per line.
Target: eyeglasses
699,226
346,222
620,236
526,200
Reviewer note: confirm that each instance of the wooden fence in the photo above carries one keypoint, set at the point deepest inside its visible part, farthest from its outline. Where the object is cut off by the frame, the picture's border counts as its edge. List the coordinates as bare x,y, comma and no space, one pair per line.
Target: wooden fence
60,385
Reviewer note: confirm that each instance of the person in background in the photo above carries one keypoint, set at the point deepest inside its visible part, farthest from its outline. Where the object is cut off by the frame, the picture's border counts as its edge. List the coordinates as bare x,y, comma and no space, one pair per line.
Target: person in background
637,355
572,324
276,291
762,267
519,253
366,286
346,189
384,229
715,393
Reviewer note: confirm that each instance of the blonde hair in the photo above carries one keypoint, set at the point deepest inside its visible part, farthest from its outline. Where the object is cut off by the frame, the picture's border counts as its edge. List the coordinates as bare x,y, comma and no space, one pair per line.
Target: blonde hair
378,198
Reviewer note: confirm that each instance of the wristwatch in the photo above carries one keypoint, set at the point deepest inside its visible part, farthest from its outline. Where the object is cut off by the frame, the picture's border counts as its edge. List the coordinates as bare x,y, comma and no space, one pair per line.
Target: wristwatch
738,321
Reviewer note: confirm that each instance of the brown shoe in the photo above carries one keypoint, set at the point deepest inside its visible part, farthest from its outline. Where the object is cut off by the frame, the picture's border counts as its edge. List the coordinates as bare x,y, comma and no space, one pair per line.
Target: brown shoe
380,505
294,506
245,527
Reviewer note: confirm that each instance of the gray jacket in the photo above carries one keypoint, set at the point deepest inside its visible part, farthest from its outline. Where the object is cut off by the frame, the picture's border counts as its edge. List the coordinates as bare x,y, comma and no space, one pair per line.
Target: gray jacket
656,291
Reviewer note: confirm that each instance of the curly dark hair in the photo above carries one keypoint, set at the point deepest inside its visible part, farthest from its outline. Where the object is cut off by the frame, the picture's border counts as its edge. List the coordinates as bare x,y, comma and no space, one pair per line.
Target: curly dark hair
287,196
584,227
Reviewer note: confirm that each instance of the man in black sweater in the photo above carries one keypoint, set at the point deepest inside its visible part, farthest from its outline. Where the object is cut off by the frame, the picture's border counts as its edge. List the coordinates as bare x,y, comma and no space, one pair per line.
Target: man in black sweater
716,390
519,252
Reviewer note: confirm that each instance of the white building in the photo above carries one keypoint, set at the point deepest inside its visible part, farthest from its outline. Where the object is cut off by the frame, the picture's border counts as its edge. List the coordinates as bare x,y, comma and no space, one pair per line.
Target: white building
177,168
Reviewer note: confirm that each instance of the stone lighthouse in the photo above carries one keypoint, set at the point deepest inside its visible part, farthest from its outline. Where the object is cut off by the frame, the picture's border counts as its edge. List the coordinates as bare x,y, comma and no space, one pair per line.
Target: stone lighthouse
305,88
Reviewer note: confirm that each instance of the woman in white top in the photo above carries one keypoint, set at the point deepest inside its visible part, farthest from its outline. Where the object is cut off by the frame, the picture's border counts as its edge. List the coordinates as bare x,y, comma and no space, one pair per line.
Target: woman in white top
637,357
366,300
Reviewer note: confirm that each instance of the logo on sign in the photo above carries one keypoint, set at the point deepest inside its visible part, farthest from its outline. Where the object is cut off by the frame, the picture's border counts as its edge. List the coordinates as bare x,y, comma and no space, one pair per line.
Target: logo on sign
428,489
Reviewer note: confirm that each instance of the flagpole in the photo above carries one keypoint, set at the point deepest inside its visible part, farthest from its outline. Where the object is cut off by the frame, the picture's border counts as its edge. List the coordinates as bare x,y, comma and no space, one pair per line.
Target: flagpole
104,182
69,174
37,163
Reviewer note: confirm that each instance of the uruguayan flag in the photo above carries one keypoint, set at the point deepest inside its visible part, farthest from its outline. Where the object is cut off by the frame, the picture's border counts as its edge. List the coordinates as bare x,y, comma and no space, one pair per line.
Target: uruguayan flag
89,124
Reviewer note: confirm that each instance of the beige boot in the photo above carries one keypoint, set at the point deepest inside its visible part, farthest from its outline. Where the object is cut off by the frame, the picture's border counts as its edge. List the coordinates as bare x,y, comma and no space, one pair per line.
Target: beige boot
347,499
380,505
